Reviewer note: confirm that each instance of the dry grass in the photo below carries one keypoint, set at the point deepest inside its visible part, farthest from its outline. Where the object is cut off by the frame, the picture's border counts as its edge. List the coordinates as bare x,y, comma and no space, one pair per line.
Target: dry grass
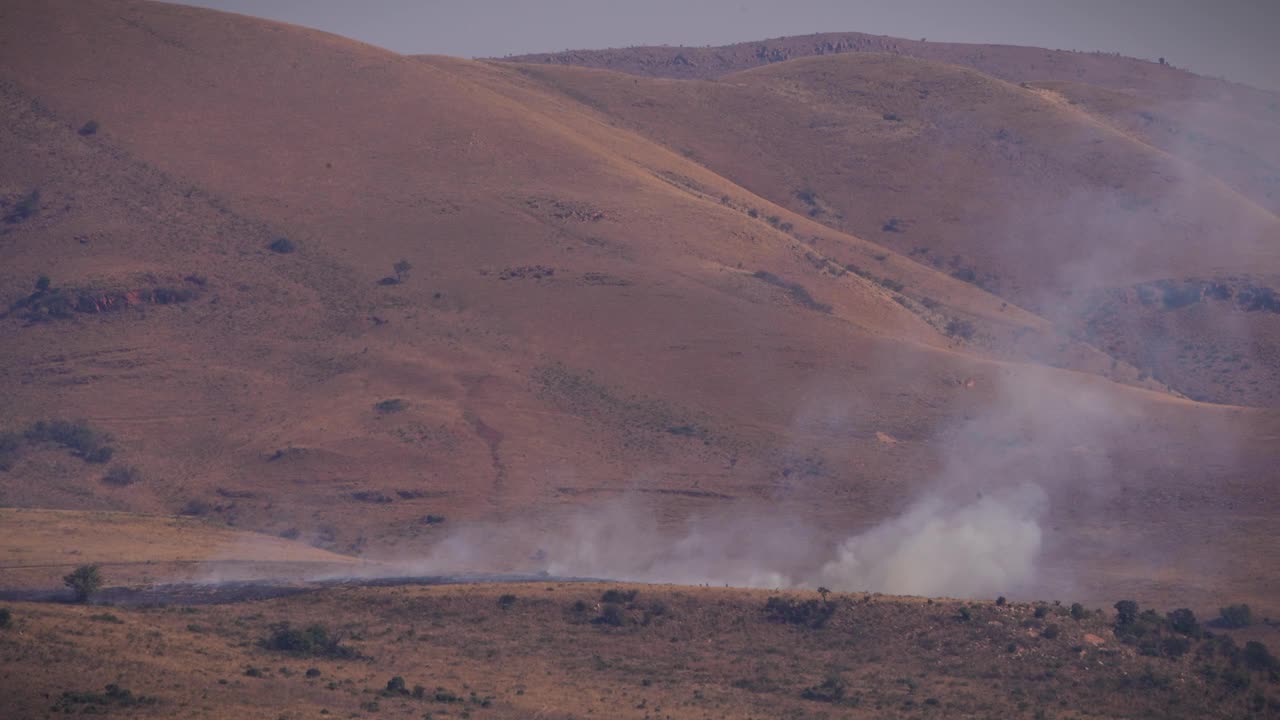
679,653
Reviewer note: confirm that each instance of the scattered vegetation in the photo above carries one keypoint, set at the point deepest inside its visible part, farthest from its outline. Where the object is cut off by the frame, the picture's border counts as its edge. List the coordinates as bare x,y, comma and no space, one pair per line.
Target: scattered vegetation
78,437
809,613
797,291
962,329
90,703
84,581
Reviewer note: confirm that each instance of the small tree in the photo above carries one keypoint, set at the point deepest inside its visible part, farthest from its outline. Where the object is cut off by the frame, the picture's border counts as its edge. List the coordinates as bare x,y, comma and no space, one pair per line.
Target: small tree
1126,613
1236,616
84,581
402,268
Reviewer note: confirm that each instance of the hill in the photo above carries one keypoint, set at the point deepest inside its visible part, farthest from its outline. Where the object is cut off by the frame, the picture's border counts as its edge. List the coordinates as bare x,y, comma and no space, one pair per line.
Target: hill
1020,189
465,314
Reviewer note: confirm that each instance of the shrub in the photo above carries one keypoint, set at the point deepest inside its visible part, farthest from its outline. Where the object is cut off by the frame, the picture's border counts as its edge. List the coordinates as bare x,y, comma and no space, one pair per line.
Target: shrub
831,690
797,291
615,595
892,225
611,614
1051,632
1078,612
9,444
313,672
77,437
122,475
1001,600
810,613
313,640
506,601
389,281
196,507
113,695
1235,616
1041,611
401,268
1258,658
892,117
282,245
1126,613
24,208
84,581
964,614
432,519
42,283
6,617
395,686
1183,621
962,329
88,128
394,405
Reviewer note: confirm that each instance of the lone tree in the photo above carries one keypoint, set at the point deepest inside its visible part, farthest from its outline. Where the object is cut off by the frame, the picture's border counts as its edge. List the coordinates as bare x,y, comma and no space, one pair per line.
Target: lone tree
84,581
402,268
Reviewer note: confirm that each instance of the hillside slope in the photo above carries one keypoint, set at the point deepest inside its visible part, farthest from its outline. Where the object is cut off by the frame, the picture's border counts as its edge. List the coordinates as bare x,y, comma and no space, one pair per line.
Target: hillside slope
1015,189
585,320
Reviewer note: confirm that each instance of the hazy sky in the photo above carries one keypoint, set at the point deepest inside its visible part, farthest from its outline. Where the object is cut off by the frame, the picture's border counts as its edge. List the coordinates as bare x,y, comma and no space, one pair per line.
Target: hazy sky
1238,39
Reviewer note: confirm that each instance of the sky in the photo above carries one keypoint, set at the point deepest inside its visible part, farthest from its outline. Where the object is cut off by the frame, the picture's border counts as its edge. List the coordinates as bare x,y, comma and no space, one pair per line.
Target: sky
1236,39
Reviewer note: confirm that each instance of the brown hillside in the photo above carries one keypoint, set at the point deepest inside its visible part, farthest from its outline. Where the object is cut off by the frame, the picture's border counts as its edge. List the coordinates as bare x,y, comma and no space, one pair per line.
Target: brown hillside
586,312
1012,188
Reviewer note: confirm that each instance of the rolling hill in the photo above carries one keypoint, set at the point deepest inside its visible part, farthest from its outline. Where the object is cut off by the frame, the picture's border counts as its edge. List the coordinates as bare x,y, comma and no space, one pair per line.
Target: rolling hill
774,328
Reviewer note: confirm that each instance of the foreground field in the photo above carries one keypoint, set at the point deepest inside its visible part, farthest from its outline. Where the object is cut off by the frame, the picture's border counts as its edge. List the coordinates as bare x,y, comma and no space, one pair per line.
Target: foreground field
557,650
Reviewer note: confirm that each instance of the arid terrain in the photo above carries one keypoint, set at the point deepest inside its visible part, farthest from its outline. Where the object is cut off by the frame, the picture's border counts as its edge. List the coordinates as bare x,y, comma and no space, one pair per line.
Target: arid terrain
838,311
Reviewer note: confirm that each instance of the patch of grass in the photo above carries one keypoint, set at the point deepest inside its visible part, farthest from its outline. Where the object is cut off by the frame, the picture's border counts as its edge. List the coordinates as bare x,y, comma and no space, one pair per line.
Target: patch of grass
121,475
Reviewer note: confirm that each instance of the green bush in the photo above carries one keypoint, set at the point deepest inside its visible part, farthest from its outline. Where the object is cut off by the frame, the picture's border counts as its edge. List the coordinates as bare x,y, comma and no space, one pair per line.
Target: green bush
313,640
88,128
84,581
1258,658
1078,612
1235,616
282,245
6,617
506,601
